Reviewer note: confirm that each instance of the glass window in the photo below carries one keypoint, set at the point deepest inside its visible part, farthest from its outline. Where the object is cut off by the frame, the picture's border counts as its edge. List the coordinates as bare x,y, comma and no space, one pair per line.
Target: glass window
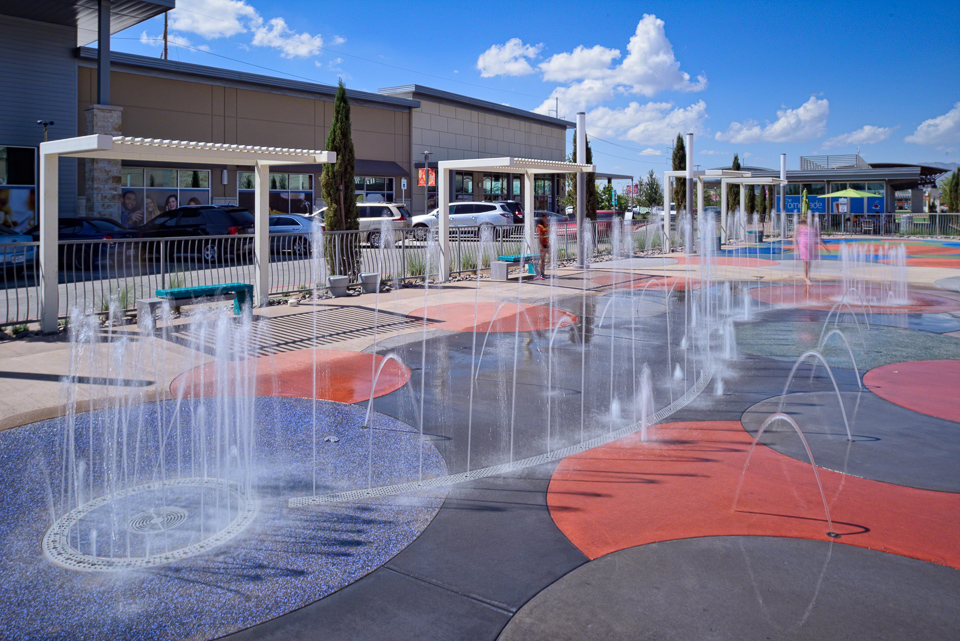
246,180
875,188
131,177
301,182
194,178
794,189
18,166
279,181
837,187
815,189
858,186
161,178
517,186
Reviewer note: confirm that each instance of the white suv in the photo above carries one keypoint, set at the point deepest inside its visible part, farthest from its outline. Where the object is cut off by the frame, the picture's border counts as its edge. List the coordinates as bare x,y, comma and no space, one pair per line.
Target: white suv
370,218
496,217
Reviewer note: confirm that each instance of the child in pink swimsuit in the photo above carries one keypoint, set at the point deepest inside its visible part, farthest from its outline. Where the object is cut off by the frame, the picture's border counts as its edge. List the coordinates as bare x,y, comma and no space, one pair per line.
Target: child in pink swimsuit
807,245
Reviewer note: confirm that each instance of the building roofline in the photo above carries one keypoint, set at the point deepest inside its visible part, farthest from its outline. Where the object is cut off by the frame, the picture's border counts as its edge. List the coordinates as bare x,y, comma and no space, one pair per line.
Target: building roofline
124,61
476,102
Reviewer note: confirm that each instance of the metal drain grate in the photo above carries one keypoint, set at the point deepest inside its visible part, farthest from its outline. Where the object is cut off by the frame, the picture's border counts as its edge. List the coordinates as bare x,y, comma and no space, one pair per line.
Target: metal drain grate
157,520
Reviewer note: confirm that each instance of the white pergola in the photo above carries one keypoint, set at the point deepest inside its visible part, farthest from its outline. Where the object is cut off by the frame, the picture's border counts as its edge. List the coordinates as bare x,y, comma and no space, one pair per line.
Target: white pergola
725,177
106,147
527,166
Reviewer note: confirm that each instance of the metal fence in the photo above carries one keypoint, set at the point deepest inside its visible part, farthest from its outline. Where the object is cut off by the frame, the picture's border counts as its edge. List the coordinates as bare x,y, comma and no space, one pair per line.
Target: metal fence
92,274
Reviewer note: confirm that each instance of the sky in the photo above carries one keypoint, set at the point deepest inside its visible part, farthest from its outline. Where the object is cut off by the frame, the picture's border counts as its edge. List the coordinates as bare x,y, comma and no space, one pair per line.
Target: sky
748,77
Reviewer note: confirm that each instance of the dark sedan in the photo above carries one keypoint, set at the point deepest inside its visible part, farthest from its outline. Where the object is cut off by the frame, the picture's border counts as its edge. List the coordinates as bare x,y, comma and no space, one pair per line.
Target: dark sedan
200,231
95,252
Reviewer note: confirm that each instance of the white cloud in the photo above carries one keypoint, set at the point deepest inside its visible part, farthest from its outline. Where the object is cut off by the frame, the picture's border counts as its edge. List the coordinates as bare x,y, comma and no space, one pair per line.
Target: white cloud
278,35
650,151
211,19
653,123
712,152
864,136
580,64
337,40
806,122
650,67
508,59
940,131
173,39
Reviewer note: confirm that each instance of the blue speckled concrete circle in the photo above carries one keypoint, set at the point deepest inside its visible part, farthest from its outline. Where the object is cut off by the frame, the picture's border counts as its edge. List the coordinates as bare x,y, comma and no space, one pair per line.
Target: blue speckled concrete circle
286,558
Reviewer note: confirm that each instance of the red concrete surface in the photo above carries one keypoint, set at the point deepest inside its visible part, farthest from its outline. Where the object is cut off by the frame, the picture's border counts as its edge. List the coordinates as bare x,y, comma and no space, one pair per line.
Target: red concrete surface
682,484
346,377
467,317
928,387
949,263
664,283
823,296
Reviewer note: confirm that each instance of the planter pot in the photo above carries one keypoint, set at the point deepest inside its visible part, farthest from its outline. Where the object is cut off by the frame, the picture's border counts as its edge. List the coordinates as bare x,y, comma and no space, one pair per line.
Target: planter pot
370,283
338,285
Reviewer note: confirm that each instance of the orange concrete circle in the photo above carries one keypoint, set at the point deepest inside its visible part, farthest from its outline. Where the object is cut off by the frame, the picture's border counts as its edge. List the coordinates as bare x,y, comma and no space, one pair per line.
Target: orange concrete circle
345,377
949,263
493,317
928,387
681,484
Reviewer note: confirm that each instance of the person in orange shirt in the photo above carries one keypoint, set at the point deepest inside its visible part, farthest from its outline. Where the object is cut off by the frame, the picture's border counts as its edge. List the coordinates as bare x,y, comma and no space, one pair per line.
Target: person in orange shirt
543,234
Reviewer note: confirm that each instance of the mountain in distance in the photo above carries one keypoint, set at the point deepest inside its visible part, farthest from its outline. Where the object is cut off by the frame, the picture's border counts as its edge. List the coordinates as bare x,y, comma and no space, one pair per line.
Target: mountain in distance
947,166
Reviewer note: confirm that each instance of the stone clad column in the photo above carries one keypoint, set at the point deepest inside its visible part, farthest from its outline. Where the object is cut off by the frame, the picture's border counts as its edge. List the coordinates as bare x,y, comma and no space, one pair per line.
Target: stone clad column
103,176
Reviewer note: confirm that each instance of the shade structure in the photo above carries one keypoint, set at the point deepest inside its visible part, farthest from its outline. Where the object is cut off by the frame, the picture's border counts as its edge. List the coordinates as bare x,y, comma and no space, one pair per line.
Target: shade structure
849,193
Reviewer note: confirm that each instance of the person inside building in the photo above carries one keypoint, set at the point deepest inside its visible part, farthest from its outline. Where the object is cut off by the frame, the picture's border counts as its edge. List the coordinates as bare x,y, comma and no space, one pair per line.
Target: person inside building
130,213
171,202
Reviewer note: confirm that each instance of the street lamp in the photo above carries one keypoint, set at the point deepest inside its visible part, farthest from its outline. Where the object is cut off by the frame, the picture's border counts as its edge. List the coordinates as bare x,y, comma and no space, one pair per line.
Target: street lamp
426,182
45,124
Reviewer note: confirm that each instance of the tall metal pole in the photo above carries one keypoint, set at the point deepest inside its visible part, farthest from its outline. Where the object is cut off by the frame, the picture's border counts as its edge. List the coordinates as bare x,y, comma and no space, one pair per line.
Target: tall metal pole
783,196
426,182
581,183
165,55
103,53
689,170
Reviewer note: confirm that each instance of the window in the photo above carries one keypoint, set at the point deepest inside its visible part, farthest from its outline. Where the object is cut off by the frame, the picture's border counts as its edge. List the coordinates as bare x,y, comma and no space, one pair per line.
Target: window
289,193
375,189
494,186
155,191
462,185
18,187
875,188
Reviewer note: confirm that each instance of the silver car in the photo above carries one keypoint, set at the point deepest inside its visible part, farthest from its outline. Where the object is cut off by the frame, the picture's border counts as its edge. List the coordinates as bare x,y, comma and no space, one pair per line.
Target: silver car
496,217
371,216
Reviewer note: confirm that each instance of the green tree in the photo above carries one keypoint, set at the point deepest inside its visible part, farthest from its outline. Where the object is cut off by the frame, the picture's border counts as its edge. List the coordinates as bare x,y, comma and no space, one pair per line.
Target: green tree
679,164
593,200
336,183
762,205
950,192
733,191
751,205
605,197
651,193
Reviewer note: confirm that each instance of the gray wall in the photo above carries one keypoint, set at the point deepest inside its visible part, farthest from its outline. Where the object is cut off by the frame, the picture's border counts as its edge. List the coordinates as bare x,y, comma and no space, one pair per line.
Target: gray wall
39,80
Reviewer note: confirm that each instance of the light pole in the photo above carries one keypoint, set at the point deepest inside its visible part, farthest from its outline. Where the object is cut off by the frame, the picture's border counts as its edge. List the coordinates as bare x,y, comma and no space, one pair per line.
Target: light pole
426,182
45,124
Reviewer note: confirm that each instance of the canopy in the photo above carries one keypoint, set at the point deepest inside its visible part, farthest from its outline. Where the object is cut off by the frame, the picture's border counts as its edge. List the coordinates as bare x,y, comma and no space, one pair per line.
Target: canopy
848,193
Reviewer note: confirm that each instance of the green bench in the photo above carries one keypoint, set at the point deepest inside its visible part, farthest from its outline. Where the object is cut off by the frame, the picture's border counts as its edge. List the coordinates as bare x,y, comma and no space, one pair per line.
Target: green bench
241,293
499,267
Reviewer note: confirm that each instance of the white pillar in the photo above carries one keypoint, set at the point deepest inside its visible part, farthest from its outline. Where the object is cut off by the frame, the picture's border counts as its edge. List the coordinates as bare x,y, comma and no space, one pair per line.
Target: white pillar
666,212
529,237
49,237
700,196
443,202
723,211
689,176
581,184
261,235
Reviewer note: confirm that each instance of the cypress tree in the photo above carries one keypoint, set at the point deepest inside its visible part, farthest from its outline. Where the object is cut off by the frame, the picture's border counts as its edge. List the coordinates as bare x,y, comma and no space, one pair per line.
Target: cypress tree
336,183
593,198
751,205
762,205
733,191
679,163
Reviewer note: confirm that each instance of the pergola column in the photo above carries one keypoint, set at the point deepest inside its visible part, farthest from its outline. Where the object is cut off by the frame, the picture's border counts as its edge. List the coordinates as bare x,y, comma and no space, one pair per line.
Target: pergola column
261,234
743,210
666,213
443,202
723,212
49,239
529,215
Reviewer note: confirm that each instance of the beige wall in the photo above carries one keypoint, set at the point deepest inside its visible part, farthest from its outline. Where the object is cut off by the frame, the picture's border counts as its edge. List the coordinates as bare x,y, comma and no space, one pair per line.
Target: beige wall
156,107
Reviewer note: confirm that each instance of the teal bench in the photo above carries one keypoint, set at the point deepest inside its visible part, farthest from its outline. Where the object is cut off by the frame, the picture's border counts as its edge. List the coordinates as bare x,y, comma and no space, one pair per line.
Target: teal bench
499,267
241,293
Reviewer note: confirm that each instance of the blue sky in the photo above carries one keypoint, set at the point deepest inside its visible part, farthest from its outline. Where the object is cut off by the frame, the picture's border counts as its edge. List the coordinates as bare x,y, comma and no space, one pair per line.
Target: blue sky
745,77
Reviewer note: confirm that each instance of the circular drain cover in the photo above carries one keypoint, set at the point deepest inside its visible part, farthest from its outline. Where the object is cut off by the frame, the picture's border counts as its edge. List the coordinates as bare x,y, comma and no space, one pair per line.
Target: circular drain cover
157,520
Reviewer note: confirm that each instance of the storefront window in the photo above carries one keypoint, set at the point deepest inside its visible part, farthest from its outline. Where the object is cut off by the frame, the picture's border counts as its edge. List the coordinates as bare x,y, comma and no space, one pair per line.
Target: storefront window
875,188
289,193
375,189
494,187
18,188
148,192
463,185
815,189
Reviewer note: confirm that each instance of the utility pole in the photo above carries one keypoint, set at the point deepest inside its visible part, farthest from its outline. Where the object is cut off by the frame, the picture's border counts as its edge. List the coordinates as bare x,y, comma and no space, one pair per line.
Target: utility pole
426,182
165,35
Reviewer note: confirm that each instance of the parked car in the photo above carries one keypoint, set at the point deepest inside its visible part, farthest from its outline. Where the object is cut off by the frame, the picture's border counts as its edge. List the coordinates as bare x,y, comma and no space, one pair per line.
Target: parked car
371,215
89,254
292,233
713,211
515,208
12,253
493,216
201,222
